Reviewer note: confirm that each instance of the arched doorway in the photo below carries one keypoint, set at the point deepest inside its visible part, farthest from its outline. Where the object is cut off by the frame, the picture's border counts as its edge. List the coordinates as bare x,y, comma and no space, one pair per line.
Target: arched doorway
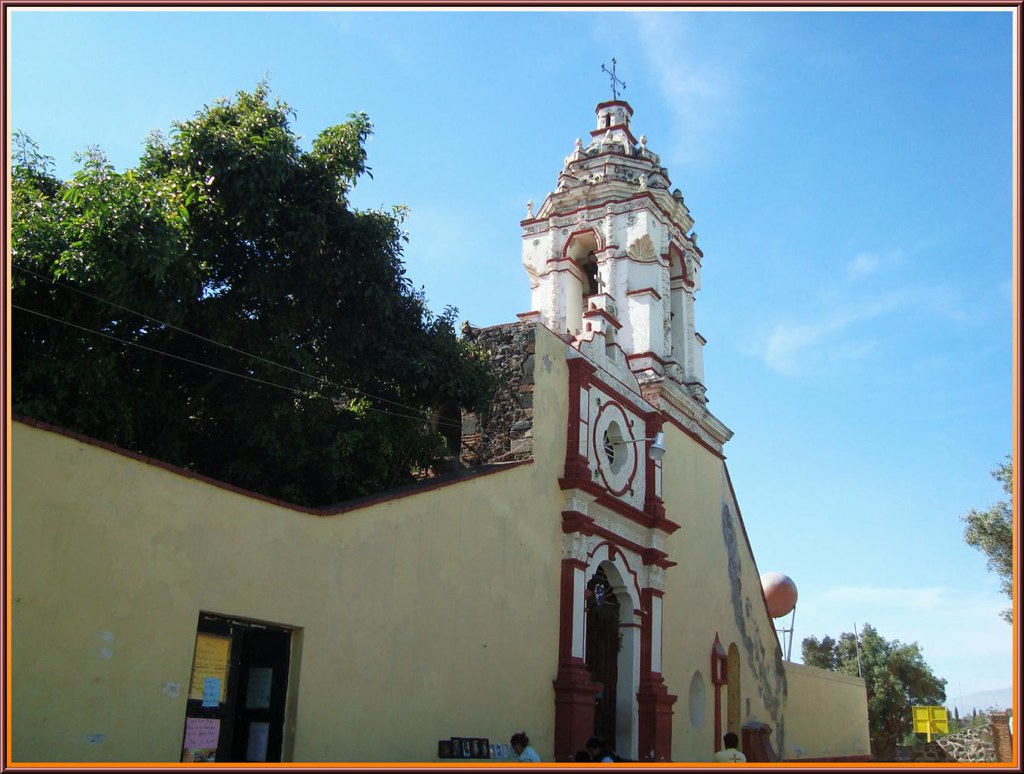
602,648
605,628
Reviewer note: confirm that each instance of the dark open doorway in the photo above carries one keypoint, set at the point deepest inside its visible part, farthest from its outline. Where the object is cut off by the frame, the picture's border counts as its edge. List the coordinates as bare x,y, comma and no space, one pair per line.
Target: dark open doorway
602,649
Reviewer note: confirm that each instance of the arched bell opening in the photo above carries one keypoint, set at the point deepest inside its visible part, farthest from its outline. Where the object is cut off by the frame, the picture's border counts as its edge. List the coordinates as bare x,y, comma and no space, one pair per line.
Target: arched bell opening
584,280
677,304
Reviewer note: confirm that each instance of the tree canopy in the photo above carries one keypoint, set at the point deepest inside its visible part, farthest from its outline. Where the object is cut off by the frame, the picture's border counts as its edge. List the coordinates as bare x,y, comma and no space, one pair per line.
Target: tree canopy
896,676
991,531
222,307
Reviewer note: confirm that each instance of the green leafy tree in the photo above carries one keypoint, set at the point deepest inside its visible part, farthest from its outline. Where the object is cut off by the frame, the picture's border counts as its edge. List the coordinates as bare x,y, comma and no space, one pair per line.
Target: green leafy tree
991,531
896,676
221,307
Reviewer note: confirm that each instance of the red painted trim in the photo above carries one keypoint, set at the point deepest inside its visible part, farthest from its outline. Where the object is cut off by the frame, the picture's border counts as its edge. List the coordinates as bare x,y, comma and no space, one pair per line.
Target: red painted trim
614,103
648,354
566,593
602,313
577,473
675,258
411,489
600,208
640,291
653,502
613,547
559,265
595,444
604,250
614,391
624,128
574,521
646,636
614,504
598,239
574,708
654,703
625,257
717,452
719,678
580,373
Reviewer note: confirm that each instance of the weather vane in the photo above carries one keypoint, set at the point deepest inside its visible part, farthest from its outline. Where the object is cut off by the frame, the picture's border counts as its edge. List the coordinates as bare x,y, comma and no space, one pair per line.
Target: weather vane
614,79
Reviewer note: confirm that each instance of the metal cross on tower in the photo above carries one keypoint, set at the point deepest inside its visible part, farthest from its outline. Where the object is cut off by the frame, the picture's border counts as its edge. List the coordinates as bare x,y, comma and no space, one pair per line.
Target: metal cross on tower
614,79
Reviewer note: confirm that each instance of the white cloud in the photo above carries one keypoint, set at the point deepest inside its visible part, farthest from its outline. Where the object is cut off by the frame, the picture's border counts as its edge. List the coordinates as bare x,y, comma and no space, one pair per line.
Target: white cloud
865,264
923,599
961,636
697,83
949,620
786,344
790,348
862,265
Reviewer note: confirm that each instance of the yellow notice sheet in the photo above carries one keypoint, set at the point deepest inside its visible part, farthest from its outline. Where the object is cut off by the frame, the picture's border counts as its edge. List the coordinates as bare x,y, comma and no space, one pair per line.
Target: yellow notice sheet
210,662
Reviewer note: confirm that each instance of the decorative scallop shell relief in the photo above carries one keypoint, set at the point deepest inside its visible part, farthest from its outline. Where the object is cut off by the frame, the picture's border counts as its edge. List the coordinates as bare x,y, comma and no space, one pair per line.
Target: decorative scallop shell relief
642,249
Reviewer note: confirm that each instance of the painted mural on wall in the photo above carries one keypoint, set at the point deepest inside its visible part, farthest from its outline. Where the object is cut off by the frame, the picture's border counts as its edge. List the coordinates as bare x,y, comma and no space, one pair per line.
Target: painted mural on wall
768,668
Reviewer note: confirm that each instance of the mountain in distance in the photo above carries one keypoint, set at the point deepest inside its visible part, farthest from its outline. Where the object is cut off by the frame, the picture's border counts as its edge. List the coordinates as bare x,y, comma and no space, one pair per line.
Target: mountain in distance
982,701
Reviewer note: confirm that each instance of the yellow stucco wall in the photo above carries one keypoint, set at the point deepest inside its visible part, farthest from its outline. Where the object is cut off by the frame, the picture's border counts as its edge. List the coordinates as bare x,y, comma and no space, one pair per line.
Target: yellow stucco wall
114,559
828,714
418,618
714,588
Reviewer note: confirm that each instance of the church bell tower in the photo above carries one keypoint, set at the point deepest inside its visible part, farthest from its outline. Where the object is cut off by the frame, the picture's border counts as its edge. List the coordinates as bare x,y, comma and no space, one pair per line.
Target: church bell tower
613,260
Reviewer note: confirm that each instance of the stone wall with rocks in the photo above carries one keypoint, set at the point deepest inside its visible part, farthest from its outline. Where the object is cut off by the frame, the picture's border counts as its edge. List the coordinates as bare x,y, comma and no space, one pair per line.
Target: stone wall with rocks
504,433
971,744
987,742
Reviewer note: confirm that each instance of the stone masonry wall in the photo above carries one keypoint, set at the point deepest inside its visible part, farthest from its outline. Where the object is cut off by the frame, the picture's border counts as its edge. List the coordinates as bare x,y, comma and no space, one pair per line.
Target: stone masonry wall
504,433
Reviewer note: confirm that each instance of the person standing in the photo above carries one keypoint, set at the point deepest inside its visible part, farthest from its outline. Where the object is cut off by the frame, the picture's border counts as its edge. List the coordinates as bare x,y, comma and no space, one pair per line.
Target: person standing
521,744
730,754
599,752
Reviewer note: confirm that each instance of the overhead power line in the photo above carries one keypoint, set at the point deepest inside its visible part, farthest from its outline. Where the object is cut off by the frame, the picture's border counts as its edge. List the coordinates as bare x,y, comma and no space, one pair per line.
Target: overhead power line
297,391
318,379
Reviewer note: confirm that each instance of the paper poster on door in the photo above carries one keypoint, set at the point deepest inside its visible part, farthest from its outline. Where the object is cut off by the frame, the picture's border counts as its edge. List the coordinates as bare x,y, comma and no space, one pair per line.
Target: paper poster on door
201,735
210,661
257,747
211,691
257,692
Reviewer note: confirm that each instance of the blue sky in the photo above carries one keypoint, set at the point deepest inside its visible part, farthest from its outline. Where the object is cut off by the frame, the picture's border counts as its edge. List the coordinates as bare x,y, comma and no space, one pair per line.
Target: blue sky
850,178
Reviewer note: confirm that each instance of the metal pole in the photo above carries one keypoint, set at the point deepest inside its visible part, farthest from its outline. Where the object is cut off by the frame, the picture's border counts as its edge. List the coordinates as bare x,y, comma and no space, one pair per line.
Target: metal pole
856,644
789,648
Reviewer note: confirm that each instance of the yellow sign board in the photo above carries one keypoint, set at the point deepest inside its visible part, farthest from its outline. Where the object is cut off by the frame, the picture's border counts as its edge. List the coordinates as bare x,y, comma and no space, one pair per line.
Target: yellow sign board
930,720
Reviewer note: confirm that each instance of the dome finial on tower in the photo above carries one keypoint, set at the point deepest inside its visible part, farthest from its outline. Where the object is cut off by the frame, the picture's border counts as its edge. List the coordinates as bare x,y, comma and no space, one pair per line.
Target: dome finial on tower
614,80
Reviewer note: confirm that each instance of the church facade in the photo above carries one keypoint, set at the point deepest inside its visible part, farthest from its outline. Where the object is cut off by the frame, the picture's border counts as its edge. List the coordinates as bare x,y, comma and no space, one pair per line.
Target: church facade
586,572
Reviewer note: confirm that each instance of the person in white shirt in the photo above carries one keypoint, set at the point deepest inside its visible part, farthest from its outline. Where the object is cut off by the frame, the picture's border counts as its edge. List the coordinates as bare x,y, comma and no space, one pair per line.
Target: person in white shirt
730,754
521,744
